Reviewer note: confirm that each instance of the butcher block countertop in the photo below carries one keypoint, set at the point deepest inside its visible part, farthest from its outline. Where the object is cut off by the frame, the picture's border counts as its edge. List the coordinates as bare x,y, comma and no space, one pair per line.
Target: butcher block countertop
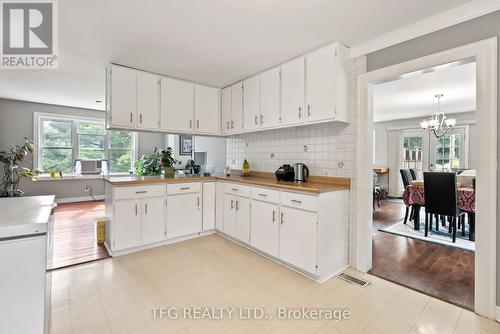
315,184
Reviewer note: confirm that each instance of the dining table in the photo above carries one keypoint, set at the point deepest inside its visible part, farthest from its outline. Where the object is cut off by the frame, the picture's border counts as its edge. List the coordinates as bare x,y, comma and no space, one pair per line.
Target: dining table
414,195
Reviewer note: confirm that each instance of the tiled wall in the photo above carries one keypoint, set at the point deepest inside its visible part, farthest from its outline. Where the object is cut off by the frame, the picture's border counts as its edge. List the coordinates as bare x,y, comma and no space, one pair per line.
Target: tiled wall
327,149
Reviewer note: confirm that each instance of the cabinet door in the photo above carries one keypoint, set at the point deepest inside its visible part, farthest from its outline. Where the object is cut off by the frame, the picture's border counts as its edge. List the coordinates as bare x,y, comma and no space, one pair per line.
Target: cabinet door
320,84
237,106
230,215
206,109
270,98
226,109
219,206
208,206
183,215
292,91
178,105
264,231
298,227
127,224
148,101
153,220
123,96
251,103
243,219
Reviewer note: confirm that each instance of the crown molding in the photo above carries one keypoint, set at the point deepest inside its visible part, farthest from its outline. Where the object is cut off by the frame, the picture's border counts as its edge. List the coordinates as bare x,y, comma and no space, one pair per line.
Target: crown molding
426,26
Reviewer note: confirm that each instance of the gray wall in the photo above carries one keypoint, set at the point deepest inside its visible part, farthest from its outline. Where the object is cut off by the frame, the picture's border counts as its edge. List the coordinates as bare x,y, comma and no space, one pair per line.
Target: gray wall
468,32
16,122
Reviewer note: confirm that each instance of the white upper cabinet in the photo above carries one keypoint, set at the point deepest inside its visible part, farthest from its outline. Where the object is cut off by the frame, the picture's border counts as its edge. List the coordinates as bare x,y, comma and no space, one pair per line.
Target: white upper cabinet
206,109
251,103
177,105
148,101
122,97
270,98
226,110
237,107
292,91
320,84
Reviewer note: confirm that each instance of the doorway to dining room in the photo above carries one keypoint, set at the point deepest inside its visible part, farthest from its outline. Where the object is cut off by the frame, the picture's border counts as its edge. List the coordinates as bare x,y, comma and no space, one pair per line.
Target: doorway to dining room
433,259
450,160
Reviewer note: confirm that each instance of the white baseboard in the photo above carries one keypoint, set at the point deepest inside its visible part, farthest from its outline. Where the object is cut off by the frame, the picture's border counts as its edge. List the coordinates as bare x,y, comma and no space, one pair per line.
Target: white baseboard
497,313
79,199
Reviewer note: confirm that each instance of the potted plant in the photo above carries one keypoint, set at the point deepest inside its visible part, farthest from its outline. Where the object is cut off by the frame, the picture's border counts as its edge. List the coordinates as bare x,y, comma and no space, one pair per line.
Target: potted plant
148,165
193,167
13,172
167,161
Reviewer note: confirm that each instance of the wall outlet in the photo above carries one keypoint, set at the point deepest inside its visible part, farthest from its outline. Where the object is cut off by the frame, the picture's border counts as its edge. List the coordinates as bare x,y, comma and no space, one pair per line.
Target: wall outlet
87,188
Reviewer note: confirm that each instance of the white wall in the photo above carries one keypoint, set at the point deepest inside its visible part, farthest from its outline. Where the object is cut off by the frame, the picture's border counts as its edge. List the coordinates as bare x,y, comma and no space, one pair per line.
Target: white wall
216,151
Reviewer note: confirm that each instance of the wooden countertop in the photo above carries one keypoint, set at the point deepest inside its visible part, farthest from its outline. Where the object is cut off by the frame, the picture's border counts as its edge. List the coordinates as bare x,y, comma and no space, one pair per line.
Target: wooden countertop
131,180
315,184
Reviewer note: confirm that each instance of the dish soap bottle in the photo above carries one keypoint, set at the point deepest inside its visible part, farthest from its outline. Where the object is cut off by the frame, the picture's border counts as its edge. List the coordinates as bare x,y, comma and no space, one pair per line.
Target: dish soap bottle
246,168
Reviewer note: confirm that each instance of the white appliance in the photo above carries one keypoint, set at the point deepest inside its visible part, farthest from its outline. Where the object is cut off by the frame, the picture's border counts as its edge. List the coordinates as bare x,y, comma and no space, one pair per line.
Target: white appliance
25,248
91,166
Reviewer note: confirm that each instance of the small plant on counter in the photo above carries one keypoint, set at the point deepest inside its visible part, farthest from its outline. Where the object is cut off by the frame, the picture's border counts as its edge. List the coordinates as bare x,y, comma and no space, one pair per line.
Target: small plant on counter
193,167
13,171
167,161
148,165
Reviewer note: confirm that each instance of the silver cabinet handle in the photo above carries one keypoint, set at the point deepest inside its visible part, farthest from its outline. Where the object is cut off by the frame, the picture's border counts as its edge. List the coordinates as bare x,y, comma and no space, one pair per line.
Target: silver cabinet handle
308,110
184,188
234,189
136,209
146,208
232,204
227,125
140,118
261,119
141,192
256,120
263,195
190,123
232,124
282,220
130,117
237,205
296,201
198,201
274,216
300,112
197,123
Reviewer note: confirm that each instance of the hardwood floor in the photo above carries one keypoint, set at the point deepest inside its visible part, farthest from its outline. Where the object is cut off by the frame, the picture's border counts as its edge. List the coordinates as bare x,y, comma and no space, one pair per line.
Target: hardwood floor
443,272
74,234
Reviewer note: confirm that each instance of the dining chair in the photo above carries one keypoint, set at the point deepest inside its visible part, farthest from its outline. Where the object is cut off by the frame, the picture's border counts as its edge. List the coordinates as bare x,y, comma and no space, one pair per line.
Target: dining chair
413,174
407,178
440,190
377,191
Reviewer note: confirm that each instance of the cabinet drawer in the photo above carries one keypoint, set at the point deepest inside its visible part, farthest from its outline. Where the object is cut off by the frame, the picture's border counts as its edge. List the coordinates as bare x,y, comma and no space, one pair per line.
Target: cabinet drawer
139,192
237,189
300,201
183,188
266,194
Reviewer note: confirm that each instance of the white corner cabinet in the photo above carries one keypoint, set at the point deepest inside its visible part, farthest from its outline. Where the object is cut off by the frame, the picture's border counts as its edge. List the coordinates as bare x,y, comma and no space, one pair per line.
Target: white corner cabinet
309,89
274,222
149,215
142,101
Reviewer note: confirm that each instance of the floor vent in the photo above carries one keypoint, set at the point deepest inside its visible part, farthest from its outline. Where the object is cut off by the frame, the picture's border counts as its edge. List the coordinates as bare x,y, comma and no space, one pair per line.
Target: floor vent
353,280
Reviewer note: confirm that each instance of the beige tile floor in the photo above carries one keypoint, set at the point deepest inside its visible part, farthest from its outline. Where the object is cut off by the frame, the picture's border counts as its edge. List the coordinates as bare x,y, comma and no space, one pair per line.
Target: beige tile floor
116,296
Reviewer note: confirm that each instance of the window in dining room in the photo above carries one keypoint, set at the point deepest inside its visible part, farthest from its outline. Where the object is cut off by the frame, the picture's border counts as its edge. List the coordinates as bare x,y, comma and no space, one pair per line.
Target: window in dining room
448,152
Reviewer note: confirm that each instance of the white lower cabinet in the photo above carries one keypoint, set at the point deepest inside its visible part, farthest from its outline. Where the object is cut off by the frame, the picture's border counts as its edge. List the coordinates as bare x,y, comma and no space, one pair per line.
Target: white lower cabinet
219,206
298,238
264,231
183,215
208,205
237,217
153,220
128,226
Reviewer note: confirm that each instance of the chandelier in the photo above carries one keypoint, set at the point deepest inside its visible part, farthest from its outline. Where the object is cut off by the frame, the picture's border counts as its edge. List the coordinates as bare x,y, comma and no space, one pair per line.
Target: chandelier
438,123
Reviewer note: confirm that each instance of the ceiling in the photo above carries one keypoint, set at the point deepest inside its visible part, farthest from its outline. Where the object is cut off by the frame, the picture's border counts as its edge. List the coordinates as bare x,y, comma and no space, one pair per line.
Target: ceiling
213,42
414,95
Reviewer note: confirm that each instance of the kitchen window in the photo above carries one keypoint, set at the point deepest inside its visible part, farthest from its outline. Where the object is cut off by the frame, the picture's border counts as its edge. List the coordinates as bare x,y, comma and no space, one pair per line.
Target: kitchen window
63,139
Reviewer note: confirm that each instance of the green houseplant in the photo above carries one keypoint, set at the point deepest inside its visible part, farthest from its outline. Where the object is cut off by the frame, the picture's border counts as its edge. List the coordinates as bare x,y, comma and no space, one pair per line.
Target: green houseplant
13,171
148,165
167,161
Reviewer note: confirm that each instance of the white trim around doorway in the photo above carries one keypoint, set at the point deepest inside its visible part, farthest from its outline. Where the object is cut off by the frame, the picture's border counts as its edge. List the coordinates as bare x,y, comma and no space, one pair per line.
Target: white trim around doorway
484,54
